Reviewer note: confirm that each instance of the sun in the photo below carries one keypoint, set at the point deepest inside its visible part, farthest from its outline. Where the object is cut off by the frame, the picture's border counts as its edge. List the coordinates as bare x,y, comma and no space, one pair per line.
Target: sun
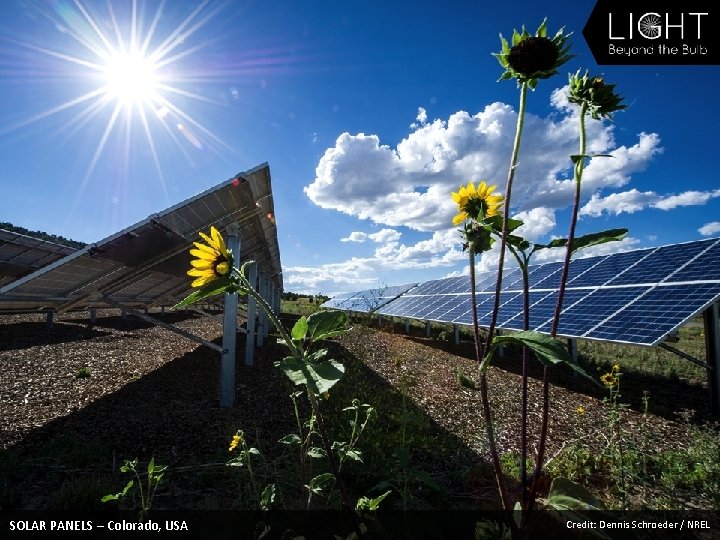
131,78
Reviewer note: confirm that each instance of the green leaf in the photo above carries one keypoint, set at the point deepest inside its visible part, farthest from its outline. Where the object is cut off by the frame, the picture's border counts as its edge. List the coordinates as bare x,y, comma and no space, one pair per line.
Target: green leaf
371,504
151,466
587,240
515,37
318,376
542,30
267,497
119,495
355,455
215,287
320,482
254,451
496,222
290,439
316,452
576,158
567,495
326,324
547,349
299,331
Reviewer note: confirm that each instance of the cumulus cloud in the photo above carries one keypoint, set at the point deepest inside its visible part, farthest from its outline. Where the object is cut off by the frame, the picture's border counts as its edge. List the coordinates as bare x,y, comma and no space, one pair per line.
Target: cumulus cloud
633,201
355,236
710,228
410,183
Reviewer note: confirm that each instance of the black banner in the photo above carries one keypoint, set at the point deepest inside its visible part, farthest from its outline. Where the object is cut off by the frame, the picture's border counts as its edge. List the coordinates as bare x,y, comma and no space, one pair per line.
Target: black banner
654,33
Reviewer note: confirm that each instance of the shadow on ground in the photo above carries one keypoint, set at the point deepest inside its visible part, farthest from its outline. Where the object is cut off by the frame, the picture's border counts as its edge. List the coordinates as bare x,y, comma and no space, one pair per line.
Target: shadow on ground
172,414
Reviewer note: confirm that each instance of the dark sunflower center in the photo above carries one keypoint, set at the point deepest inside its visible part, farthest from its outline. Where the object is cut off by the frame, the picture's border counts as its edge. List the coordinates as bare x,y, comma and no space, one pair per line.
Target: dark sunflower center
476,208
532,55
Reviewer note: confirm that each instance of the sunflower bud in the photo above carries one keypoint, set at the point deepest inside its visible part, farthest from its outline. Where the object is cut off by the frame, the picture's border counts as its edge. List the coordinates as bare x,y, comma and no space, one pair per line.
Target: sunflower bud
533,57
599,98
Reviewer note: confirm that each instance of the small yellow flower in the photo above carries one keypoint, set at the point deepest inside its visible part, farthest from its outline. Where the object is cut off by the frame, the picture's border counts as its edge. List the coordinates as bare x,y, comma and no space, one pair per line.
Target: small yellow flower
580,410
236,440
326,395
213,259
616,368
477,203
608,380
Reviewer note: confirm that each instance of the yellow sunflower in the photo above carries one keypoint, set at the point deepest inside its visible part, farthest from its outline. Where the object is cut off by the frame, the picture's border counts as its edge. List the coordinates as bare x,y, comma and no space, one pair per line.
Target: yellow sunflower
477,203
213,259
236,440
608,380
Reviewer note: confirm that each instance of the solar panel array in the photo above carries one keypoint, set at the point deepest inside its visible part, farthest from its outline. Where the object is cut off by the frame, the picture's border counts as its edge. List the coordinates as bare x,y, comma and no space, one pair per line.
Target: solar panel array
368,300
636,297
145,265
21,255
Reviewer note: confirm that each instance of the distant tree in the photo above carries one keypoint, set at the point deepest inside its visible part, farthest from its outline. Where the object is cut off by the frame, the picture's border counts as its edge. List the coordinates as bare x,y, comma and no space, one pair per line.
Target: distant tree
42,235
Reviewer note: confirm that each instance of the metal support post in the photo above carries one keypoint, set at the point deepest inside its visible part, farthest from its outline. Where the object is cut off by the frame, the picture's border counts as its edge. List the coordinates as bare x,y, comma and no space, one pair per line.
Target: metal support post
93,316
269,294
573,349
50,319
407,326
227,363
456,329
251,314
712,353
501,348
427,328
262,320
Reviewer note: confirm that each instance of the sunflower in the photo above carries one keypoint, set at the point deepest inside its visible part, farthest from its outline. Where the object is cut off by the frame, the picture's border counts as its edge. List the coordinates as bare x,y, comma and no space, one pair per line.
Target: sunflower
477,203
213,259
608,380
236,440
599,97
580,410
532,57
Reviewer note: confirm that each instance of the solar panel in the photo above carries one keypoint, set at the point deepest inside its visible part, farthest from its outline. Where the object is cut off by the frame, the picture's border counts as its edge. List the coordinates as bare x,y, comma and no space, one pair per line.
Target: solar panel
145,265
21,255
635,297
369,300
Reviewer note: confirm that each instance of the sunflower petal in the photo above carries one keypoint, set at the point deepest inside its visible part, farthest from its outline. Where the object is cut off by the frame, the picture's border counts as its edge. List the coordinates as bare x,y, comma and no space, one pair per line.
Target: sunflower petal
209,240
219,241
462,216
203,255
197,272
206,249
201,264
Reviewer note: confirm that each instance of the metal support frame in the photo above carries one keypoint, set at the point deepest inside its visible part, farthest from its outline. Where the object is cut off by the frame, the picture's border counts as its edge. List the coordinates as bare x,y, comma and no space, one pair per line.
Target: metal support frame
161,324
50,319
456,332
501,347
251,316
93,316
407,326
227,358
427,328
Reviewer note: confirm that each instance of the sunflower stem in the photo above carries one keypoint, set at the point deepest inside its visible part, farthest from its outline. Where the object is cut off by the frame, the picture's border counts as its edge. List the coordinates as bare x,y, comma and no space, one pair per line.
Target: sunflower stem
506,211
578,169
484,391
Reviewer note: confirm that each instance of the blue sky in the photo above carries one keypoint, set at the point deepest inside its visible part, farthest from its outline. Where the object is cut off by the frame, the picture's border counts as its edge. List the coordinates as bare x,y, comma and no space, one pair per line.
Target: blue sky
369,114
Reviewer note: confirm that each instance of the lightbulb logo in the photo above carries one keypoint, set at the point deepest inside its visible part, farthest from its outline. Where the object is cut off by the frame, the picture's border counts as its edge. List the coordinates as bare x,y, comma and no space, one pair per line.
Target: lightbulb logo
649,26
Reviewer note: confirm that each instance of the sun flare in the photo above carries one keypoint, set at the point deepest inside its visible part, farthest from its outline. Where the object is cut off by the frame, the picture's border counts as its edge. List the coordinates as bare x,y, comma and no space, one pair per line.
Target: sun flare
131,78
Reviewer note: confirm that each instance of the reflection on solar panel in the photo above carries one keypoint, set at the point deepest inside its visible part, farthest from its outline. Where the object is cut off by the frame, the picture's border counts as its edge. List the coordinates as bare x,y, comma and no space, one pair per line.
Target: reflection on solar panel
21,255
367,301
636,297
145,265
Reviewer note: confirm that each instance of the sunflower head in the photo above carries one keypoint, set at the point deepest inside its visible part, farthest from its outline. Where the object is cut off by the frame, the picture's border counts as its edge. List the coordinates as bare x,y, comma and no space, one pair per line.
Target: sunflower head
477,204
599,97
533,57
236,441
580,410
213,260
609,380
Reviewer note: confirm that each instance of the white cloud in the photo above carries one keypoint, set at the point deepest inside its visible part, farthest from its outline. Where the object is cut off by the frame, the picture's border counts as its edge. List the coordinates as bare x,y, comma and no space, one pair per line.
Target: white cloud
355,236
420,119
410,184
633,201
710,228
